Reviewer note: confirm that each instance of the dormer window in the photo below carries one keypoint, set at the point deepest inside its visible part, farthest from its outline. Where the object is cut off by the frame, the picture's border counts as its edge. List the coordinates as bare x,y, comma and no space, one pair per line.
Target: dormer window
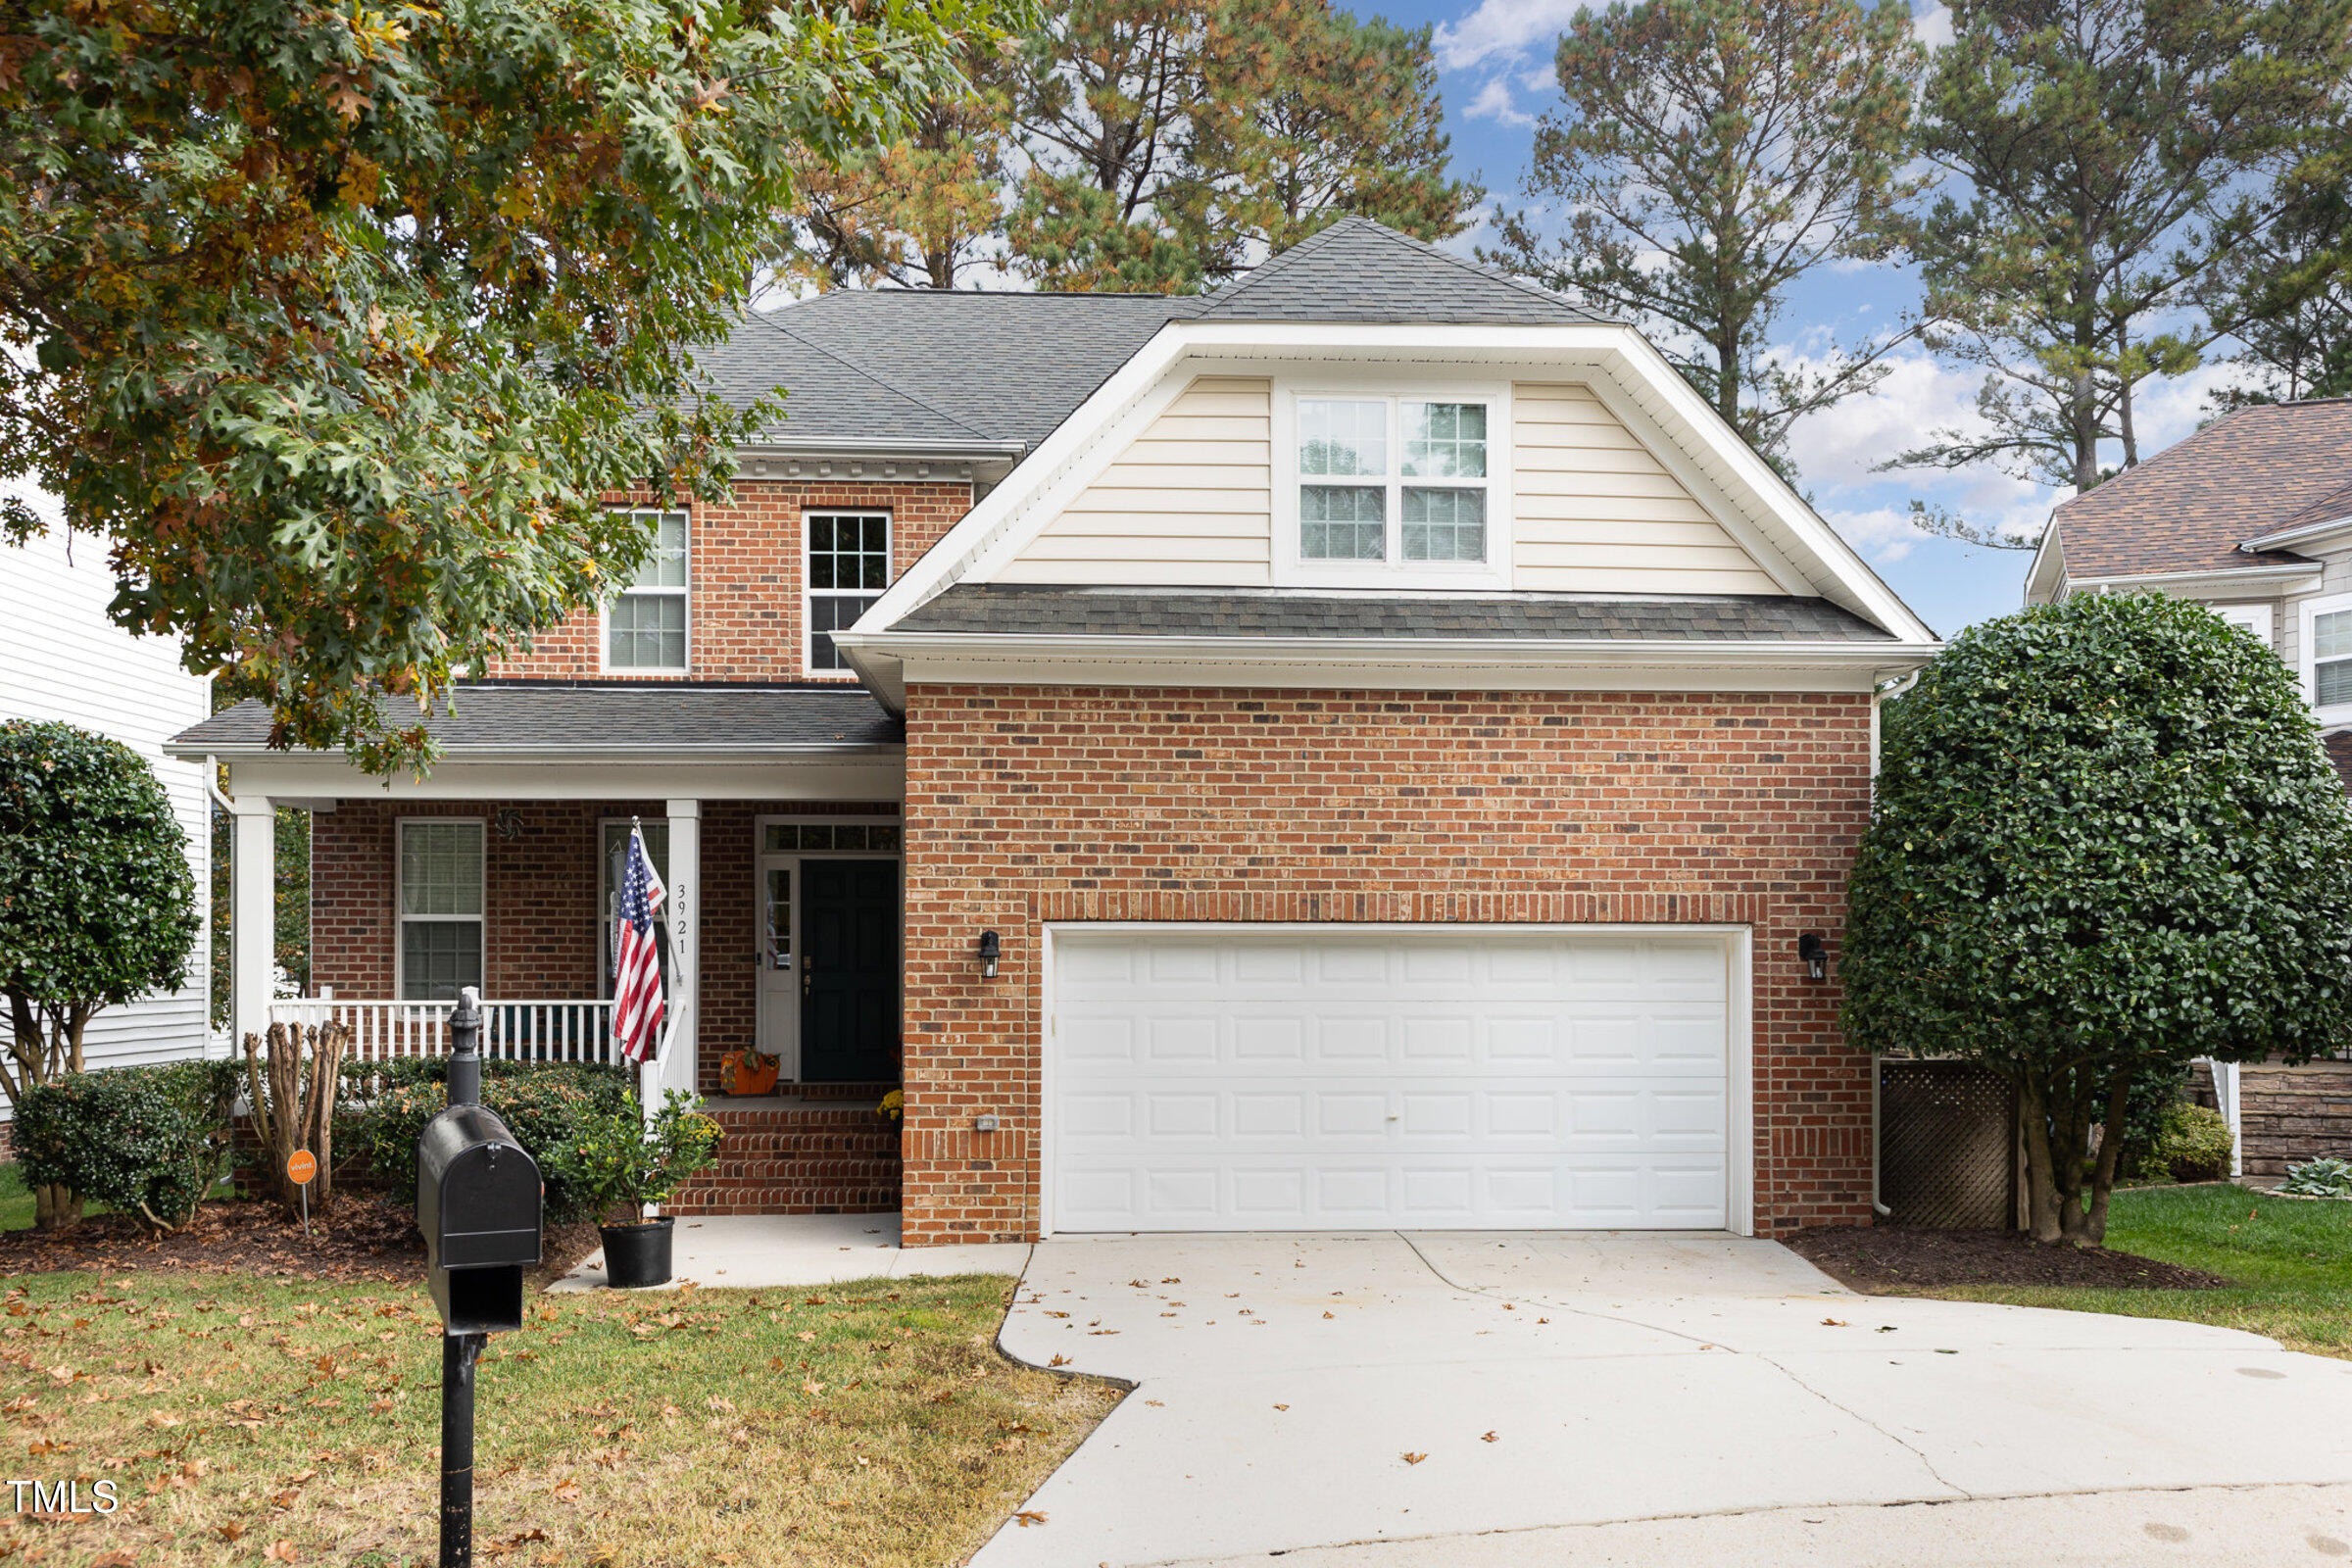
1393,489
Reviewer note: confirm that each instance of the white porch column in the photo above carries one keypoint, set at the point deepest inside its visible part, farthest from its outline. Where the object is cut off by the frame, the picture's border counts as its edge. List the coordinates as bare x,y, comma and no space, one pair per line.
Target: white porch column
252,916
684,911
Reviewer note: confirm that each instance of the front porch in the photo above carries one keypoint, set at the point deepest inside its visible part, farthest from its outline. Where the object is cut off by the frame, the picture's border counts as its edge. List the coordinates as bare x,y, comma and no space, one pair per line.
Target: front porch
782,924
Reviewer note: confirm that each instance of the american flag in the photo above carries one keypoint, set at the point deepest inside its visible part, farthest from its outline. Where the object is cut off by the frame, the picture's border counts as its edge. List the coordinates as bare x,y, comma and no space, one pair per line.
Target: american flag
637,1001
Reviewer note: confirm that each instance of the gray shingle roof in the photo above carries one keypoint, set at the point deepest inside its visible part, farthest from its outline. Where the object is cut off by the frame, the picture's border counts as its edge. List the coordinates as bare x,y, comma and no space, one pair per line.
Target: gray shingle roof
662,716
1361,271
1056,609
924,366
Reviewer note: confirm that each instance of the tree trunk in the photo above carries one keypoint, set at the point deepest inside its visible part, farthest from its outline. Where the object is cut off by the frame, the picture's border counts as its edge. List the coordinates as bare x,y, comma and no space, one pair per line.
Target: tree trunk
55,1209
2041,1177
2111,1148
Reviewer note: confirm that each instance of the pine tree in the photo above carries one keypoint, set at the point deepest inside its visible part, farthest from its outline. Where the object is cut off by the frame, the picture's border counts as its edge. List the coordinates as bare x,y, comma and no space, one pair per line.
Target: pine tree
1745,142
2102,148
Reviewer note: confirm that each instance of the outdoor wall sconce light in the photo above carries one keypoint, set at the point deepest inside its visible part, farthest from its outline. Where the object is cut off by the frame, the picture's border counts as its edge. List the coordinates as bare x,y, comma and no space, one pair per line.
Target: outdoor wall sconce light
510,824
989,951
1817,956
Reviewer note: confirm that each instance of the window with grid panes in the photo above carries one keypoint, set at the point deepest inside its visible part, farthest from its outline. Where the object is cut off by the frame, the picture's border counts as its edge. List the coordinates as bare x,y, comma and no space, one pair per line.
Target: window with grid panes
440,909
645,628
1391,479
848,566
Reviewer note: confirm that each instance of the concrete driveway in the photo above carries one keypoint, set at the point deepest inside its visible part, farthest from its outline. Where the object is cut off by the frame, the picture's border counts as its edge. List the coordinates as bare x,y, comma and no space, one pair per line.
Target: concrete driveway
1646,1397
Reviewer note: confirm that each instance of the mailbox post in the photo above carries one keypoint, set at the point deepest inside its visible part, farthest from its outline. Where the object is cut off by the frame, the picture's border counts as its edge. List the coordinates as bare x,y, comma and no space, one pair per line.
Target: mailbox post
478,1205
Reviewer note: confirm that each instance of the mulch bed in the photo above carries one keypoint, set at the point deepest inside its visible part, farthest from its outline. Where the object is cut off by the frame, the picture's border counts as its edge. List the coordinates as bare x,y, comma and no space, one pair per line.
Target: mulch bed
1884,1260
352,1239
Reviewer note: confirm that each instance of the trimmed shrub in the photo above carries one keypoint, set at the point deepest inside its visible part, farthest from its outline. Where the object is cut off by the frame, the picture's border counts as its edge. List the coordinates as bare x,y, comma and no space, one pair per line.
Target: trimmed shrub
547,1105
146,1140
2192,1145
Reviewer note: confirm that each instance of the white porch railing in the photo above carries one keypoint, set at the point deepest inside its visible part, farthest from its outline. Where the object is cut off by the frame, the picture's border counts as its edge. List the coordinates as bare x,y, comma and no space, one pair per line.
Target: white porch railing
514,1031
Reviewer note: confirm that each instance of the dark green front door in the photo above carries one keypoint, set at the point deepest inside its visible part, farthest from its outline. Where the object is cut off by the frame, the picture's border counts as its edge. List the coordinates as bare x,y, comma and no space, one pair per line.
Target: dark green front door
849,971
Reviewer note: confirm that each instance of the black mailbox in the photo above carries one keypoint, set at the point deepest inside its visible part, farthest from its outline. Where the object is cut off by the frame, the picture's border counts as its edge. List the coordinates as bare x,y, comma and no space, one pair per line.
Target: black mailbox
478,1202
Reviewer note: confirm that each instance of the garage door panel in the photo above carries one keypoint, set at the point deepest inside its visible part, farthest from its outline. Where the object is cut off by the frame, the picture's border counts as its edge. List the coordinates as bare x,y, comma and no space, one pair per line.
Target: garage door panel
1345,1080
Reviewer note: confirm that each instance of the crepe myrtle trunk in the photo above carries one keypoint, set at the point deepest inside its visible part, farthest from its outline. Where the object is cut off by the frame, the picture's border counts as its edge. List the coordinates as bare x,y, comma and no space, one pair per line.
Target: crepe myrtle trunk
2066,1185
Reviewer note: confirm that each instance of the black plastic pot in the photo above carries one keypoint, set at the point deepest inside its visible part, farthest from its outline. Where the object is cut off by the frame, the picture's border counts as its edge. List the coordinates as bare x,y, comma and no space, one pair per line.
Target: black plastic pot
637,1256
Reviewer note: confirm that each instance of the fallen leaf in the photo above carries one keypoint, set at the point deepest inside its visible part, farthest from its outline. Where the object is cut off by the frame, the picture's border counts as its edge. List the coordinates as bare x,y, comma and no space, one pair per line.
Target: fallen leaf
1832,1323
229,1531
1414,1459
1282,1407
568,1491
280,1551
1029,1516
115,1559
1059,1360
1488,1436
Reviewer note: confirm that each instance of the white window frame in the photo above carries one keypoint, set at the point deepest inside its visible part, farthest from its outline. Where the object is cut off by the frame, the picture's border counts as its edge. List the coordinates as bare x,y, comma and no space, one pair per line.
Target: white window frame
684,592
1290,570
810,595
400,912
2256,618
2307,615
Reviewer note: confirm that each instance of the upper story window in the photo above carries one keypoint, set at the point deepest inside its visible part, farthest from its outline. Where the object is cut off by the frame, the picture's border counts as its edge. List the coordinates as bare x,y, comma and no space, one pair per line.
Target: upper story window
848,566
2327,653
440,907
1395,488
645,628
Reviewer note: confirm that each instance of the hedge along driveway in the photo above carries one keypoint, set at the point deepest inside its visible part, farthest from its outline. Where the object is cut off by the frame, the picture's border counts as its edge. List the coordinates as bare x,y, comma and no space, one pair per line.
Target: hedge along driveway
869,1423
2289,1261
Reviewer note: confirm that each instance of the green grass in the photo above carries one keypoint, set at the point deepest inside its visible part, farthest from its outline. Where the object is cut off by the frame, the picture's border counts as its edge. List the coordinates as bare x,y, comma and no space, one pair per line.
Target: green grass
2290,1264
871,1423
16,1199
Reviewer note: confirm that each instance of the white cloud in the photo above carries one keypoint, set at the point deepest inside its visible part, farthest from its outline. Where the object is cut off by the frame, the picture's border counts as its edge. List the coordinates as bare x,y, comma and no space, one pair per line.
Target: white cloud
1509,27
1932,25
1494,102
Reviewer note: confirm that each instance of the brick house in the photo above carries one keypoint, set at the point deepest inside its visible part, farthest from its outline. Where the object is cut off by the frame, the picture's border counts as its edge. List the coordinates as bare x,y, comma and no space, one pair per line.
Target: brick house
1401,751
2252,517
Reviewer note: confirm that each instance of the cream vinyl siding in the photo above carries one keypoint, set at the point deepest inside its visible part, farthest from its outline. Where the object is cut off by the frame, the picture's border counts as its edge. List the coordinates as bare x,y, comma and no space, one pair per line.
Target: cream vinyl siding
62,659
1189,502
1595,512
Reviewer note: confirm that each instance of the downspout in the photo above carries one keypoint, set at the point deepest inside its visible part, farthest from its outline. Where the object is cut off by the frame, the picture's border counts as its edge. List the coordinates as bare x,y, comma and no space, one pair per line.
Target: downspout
1879,694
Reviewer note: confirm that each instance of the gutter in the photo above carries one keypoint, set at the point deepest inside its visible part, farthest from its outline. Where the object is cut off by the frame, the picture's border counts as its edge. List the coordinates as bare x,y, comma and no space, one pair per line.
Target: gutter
571,753
2289,538
1423,651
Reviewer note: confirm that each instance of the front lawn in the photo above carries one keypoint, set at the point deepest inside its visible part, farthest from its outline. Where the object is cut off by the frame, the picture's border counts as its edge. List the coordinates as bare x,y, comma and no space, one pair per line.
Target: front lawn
869,1423
2290,1264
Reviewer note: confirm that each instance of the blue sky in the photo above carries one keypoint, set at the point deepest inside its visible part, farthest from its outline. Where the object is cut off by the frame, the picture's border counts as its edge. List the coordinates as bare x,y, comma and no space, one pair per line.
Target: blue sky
1495,60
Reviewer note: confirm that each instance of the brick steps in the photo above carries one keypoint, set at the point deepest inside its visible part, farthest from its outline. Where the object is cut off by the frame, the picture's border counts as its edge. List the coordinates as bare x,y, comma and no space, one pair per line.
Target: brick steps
787,1158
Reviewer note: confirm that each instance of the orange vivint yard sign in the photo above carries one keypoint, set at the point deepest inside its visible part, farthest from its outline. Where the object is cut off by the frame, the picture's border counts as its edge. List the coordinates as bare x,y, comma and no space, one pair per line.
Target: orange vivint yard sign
301,1167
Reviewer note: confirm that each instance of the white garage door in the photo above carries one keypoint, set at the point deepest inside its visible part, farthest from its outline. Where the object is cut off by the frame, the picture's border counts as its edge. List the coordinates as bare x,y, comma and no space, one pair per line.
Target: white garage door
1251,1078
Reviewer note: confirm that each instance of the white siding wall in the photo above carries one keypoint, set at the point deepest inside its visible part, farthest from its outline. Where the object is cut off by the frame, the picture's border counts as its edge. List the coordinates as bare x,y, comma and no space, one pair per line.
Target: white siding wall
1598,513
62,659
1189,502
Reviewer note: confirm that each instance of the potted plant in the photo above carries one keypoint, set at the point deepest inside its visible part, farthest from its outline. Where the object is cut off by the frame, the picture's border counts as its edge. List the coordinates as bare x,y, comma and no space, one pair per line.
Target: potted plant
618,1160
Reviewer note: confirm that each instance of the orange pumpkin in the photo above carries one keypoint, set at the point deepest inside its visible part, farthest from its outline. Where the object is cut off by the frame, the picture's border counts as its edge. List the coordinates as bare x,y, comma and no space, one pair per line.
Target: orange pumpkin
747,1073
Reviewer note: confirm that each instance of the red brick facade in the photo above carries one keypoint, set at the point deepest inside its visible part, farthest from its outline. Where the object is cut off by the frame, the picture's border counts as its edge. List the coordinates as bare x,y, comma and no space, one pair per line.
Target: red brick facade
541,930
746,562
1030,805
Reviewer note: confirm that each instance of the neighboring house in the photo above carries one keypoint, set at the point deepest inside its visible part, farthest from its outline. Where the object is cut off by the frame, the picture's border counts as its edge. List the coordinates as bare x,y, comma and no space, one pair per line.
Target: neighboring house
62,659
2251,515
1362,747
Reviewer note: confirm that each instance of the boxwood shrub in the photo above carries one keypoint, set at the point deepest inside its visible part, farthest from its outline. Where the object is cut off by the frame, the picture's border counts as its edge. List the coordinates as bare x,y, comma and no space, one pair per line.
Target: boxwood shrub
547,1105
146,1140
